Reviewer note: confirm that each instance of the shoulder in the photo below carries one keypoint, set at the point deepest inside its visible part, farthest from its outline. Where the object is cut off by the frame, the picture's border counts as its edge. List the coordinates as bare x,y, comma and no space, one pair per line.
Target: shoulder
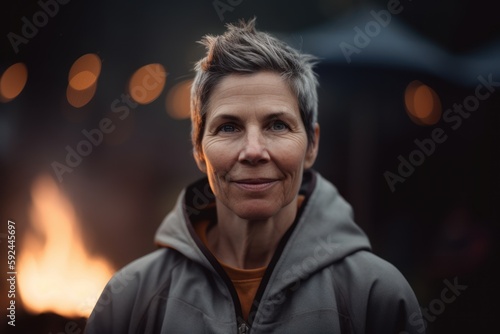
158,258
130,290
367,271
379,296
151,268
143,277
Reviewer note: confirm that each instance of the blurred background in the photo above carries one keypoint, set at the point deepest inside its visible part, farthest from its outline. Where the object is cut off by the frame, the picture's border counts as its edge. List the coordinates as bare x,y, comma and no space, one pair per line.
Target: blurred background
95,145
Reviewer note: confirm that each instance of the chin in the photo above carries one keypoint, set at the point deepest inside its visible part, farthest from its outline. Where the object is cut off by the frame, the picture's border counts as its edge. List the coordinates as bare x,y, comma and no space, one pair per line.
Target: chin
256,211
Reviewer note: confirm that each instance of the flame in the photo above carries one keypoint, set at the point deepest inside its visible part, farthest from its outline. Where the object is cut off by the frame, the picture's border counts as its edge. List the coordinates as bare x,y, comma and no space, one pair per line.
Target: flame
55,271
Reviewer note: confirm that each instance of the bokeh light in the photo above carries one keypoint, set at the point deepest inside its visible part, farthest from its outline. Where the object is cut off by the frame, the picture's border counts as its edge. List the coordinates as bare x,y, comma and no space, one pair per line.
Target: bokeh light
82,80
147,83
12,82
79,98
423,105
84,71
178,100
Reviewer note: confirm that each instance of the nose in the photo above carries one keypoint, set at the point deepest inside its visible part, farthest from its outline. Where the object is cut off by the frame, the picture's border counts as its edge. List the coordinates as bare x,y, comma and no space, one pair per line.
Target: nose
254,150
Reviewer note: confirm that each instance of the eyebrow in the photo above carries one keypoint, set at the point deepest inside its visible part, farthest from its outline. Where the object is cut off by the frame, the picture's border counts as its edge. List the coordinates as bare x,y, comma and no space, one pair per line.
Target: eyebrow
235,118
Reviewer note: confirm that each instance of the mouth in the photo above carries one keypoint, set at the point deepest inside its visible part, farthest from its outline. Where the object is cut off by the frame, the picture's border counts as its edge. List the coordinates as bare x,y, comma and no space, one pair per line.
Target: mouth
255,184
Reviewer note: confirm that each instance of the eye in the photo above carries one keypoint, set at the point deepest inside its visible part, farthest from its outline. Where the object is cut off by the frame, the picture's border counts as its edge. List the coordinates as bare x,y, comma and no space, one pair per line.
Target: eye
227,128
279,126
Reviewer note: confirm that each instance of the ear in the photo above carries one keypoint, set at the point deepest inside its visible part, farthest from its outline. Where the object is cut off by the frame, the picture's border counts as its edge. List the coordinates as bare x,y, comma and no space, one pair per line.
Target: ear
200,160
312,150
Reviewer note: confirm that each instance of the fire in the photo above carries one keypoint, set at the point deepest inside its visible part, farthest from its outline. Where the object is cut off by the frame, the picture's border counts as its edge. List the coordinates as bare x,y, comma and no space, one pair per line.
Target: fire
55,271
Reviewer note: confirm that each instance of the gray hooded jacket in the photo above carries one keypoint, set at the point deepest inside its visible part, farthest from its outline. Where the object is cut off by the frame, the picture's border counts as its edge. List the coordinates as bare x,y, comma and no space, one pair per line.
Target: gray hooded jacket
322,279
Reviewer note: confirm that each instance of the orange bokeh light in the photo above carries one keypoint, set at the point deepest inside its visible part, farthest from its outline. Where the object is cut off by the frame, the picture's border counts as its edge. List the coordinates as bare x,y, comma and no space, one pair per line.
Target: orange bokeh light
423,105
178,100
147,83
79,98
12,82
82,80
84,71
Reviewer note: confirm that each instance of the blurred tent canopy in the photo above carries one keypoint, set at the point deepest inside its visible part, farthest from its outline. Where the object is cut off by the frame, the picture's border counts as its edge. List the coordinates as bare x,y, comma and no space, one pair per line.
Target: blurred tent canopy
395,45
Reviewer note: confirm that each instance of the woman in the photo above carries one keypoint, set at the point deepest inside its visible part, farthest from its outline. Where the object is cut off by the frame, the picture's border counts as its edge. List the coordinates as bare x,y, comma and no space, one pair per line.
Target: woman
263,244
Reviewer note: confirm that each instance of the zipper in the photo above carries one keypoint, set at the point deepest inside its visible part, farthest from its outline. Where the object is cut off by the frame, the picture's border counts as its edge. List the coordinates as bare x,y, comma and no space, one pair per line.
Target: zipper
243,328
241,325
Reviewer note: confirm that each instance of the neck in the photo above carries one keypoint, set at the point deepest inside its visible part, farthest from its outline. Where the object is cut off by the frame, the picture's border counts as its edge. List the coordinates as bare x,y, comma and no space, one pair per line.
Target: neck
248,244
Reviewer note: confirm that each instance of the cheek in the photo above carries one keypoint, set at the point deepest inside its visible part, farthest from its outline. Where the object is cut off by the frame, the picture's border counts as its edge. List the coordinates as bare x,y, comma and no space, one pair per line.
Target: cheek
218,157
289,158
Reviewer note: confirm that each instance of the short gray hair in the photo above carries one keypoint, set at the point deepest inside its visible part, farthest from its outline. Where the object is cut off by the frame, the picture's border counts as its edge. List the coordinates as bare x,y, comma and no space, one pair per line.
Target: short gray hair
244,50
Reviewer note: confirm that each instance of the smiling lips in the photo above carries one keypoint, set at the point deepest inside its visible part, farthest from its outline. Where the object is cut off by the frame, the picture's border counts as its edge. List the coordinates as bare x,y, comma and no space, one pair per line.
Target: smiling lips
258,184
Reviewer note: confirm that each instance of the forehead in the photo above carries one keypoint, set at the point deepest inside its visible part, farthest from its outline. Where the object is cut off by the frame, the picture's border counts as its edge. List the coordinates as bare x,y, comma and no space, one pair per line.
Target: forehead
262,90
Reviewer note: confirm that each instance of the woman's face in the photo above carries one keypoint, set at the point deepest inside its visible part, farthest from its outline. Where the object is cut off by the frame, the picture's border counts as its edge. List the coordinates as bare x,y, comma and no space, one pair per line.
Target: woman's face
255,145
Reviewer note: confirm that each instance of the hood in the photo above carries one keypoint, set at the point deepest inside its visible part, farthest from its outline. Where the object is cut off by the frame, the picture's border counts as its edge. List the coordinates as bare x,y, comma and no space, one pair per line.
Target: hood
323,232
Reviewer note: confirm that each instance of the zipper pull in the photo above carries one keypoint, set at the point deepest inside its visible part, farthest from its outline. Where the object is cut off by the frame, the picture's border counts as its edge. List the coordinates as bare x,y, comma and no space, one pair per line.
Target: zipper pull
243,328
